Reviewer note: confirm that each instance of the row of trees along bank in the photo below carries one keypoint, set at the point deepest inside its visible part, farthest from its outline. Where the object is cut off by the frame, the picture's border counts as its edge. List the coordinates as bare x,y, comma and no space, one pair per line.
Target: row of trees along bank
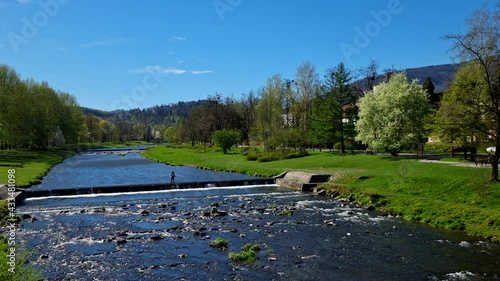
32,114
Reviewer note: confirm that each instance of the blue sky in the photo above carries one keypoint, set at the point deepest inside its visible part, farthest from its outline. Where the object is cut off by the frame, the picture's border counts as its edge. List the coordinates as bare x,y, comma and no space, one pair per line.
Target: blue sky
126,54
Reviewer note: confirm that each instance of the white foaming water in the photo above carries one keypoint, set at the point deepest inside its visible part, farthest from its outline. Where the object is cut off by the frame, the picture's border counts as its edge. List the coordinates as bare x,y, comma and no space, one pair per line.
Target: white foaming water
462,275
153,192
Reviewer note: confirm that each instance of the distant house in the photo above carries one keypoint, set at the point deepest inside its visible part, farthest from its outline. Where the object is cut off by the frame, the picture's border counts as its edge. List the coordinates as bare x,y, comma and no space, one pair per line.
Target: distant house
350,113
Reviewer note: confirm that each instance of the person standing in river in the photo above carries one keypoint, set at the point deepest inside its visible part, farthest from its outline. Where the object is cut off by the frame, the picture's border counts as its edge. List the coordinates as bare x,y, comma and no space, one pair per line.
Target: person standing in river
172,176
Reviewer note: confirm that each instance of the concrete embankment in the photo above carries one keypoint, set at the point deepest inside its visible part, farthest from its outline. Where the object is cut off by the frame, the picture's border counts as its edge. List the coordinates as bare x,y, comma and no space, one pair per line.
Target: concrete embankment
301,180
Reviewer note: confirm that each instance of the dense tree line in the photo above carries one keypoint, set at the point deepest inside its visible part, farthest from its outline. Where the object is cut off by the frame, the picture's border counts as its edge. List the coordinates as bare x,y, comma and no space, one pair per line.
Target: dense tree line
32,114
284,113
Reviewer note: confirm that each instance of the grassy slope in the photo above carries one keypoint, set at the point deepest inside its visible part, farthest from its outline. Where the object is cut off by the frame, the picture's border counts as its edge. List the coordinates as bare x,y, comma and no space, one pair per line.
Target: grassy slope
437,194
36,163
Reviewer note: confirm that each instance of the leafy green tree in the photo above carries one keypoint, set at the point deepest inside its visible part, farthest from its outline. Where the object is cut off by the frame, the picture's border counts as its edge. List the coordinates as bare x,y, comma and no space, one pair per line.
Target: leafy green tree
461,119
170,135
226,139
34,114
481,45
269,112
391,117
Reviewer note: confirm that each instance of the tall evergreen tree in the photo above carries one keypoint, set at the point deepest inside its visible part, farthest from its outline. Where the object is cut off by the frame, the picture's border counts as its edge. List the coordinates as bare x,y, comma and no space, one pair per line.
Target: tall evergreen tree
332,104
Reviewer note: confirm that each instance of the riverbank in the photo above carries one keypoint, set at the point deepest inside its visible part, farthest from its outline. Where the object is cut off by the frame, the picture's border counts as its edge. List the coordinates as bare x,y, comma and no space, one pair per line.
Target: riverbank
456,198
30,167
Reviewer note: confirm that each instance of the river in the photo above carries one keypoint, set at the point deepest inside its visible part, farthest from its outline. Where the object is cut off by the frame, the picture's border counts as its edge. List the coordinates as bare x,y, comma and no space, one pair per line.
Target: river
166,235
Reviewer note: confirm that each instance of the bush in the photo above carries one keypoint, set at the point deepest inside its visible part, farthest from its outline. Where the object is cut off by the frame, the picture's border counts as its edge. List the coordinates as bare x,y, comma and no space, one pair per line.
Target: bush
245,150
437,147
23,271
225,139
253,155
337,145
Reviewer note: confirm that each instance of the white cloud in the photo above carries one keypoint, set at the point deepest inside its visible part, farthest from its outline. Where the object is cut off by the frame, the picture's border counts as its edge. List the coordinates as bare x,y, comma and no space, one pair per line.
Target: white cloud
177,39
23,2
103,43
197,72
161,70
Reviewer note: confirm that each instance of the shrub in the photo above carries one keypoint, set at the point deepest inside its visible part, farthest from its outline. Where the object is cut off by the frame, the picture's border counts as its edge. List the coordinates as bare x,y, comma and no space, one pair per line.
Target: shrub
337,145
23,271
225,139
252,157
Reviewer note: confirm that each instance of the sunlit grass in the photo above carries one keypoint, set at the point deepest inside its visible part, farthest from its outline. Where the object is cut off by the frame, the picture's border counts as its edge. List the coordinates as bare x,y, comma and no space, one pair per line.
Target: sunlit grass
438,194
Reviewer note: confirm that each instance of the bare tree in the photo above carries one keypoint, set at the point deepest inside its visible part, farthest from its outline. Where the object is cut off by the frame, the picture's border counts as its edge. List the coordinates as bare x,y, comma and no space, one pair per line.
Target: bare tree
307,82
368,76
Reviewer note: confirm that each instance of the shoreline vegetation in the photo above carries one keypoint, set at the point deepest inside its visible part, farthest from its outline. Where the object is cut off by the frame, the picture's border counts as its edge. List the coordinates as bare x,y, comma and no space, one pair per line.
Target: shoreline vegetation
445,196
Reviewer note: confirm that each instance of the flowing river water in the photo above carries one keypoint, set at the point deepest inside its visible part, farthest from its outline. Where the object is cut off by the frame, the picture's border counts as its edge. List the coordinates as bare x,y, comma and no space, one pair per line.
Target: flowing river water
166,235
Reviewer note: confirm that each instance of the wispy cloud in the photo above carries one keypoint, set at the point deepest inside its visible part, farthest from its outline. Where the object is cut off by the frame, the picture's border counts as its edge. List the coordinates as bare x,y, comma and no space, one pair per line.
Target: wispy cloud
161,70
23,2
198,72
177,39
104,43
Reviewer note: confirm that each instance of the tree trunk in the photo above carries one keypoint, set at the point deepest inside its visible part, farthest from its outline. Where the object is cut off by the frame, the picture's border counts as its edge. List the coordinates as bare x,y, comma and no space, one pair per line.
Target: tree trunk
494,163
342,142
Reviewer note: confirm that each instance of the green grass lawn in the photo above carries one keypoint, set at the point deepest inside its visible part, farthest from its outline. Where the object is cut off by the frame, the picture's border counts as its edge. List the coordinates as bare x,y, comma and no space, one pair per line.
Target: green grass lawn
35,164
442,195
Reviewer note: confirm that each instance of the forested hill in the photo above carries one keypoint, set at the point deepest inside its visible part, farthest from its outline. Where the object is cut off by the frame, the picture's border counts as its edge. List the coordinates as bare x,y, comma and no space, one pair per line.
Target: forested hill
440,75
157,115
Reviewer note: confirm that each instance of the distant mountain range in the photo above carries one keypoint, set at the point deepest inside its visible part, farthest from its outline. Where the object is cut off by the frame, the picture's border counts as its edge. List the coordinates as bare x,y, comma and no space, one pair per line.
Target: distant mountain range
157,115
440,75
168,115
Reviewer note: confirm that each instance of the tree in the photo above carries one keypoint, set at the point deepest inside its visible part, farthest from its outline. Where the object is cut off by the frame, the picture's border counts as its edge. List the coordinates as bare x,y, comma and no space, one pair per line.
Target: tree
368,74
170,135
461,119
199,126
226,139
246,111
331,103
391,117
307,83
481,45
429,89
269,112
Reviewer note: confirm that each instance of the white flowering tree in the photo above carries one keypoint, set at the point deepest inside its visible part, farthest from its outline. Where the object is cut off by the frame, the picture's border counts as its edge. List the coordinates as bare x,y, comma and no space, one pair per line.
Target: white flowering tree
391,117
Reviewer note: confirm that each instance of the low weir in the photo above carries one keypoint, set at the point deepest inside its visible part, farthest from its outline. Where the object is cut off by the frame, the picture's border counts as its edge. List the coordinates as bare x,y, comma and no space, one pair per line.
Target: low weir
139,188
